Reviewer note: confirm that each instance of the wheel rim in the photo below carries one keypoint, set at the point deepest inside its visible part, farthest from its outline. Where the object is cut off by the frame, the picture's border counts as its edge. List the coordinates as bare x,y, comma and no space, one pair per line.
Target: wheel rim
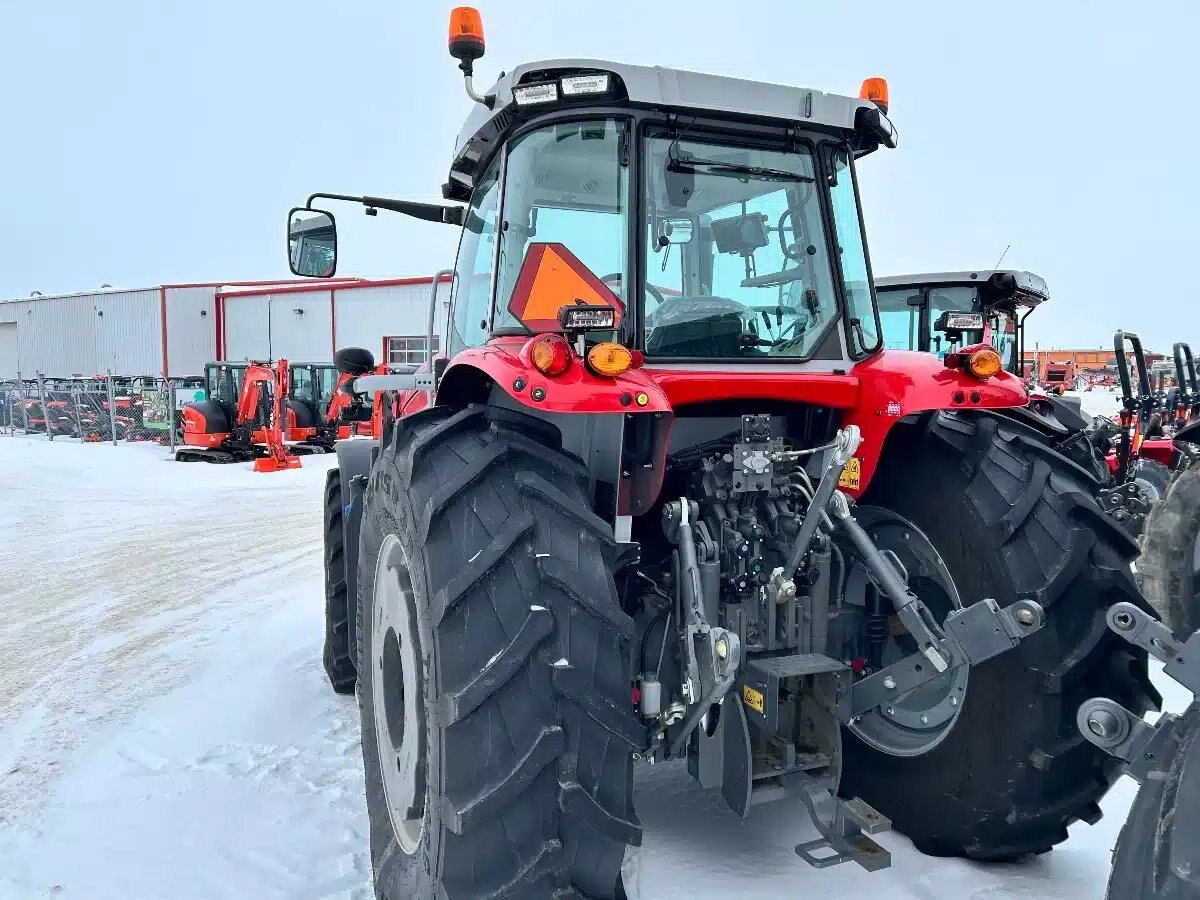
1150,491
396,695
917,721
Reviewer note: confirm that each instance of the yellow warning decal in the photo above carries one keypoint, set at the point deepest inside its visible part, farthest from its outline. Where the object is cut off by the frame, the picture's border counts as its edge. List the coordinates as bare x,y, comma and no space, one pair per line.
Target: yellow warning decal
754,699
851,475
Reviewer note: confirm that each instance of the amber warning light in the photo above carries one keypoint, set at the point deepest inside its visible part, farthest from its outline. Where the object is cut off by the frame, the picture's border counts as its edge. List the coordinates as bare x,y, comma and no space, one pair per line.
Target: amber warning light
466,35
875,90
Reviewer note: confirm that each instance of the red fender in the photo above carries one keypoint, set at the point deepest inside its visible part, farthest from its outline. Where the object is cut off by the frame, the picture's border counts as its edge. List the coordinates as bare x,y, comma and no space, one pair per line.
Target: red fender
898,383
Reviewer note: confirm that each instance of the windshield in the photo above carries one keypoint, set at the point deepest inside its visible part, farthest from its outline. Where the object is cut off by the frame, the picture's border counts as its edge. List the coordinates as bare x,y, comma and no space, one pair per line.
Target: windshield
736,259
302,386
224,383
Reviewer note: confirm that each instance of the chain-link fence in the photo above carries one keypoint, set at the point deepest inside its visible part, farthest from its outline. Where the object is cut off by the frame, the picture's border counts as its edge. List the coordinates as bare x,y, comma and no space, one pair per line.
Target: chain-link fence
101,409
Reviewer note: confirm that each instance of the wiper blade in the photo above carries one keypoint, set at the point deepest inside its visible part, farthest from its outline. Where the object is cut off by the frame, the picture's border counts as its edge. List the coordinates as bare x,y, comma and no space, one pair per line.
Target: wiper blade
713,167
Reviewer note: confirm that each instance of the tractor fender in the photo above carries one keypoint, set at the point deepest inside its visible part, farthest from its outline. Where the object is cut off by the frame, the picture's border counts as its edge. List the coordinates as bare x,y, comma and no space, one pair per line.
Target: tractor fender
355,458
896,384
1189,434
505,363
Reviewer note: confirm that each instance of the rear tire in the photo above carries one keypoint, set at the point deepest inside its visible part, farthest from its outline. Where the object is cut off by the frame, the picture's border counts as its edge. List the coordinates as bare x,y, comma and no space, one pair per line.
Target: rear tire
339,664
1169,569
1012,519
520,782
1161,828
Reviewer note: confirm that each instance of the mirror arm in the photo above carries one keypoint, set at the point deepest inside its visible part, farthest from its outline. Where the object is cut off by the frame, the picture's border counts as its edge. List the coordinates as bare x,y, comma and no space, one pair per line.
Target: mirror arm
430,212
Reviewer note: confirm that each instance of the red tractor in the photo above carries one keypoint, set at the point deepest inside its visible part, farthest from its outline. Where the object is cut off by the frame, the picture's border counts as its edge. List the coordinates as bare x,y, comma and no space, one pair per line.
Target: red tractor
241,419
666,497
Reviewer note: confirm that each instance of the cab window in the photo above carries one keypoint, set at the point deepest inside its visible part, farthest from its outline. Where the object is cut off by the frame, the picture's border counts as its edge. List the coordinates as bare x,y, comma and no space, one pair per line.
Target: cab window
900,317
852,254
566,183
473,269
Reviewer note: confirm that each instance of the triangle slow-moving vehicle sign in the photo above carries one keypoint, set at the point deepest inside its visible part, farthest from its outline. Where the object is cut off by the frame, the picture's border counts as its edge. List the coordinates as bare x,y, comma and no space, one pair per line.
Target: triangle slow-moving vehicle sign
552,277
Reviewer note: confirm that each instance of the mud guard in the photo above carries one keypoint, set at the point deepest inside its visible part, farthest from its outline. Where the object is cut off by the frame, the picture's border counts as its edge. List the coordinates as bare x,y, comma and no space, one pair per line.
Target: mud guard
724,761
355,459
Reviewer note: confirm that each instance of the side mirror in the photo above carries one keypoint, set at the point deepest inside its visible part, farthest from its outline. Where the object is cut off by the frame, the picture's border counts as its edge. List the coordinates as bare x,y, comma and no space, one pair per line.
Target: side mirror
312,243
354,361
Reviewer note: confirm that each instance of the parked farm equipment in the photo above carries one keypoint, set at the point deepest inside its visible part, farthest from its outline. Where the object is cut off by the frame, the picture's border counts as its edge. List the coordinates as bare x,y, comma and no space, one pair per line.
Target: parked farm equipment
667,497
1157,856
1169,569
241,419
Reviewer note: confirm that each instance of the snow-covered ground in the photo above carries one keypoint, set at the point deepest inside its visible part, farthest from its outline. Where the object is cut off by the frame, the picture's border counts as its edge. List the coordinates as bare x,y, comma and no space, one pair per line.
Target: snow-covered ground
166,730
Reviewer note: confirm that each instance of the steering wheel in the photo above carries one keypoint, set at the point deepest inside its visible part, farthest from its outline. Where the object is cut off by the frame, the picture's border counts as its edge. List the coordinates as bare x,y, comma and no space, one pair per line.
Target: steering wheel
650,289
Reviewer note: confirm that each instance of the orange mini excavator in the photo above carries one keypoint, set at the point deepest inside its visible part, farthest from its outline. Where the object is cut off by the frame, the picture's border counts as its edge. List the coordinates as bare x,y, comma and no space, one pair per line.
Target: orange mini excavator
242,419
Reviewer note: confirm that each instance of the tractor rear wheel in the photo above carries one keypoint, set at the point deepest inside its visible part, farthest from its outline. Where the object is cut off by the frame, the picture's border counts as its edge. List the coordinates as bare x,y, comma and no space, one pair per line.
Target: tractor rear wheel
1169,569
497,727
1010,519
338,660
1156,852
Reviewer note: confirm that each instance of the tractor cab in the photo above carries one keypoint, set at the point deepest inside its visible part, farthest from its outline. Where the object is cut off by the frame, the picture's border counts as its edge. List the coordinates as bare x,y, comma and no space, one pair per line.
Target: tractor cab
938,313
681,216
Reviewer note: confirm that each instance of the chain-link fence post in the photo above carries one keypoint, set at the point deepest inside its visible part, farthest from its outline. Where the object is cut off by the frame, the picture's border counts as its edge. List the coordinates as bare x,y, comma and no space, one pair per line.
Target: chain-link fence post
41,386
21,405
112,405
76,400
7,392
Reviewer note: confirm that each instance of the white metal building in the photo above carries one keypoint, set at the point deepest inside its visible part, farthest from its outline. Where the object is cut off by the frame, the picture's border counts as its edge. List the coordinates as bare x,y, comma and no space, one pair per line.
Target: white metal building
174,329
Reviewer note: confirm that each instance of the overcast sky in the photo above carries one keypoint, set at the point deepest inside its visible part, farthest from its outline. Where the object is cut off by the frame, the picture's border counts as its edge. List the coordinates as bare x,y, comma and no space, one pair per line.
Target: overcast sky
148,142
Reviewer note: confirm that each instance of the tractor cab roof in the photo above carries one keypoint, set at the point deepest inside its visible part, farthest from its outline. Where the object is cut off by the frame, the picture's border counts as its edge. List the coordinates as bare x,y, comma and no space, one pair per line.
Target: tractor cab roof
1009,288
673,91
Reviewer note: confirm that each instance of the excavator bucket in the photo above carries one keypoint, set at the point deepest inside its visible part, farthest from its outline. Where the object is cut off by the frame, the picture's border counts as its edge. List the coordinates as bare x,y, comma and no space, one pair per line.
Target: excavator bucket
276,464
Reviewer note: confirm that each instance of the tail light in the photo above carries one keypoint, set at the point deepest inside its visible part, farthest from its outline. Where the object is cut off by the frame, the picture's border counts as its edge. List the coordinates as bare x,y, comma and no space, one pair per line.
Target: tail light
550,354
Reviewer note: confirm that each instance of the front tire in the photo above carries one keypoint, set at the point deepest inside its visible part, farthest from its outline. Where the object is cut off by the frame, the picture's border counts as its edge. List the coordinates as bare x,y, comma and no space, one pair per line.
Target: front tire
336,656
1169,569
509,774
1012,520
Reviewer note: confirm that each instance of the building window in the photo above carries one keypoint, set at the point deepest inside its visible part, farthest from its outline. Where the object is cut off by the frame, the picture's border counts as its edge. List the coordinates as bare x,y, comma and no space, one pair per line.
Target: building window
408,351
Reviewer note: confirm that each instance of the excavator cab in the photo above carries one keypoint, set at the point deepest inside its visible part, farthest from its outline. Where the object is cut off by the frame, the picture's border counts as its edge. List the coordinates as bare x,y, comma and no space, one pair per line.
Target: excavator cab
313,405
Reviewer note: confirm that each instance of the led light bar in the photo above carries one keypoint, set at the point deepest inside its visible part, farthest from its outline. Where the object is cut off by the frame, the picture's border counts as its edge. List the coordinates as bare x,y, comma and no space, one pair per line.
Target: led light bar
576,85
964,321
532,94
587,318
